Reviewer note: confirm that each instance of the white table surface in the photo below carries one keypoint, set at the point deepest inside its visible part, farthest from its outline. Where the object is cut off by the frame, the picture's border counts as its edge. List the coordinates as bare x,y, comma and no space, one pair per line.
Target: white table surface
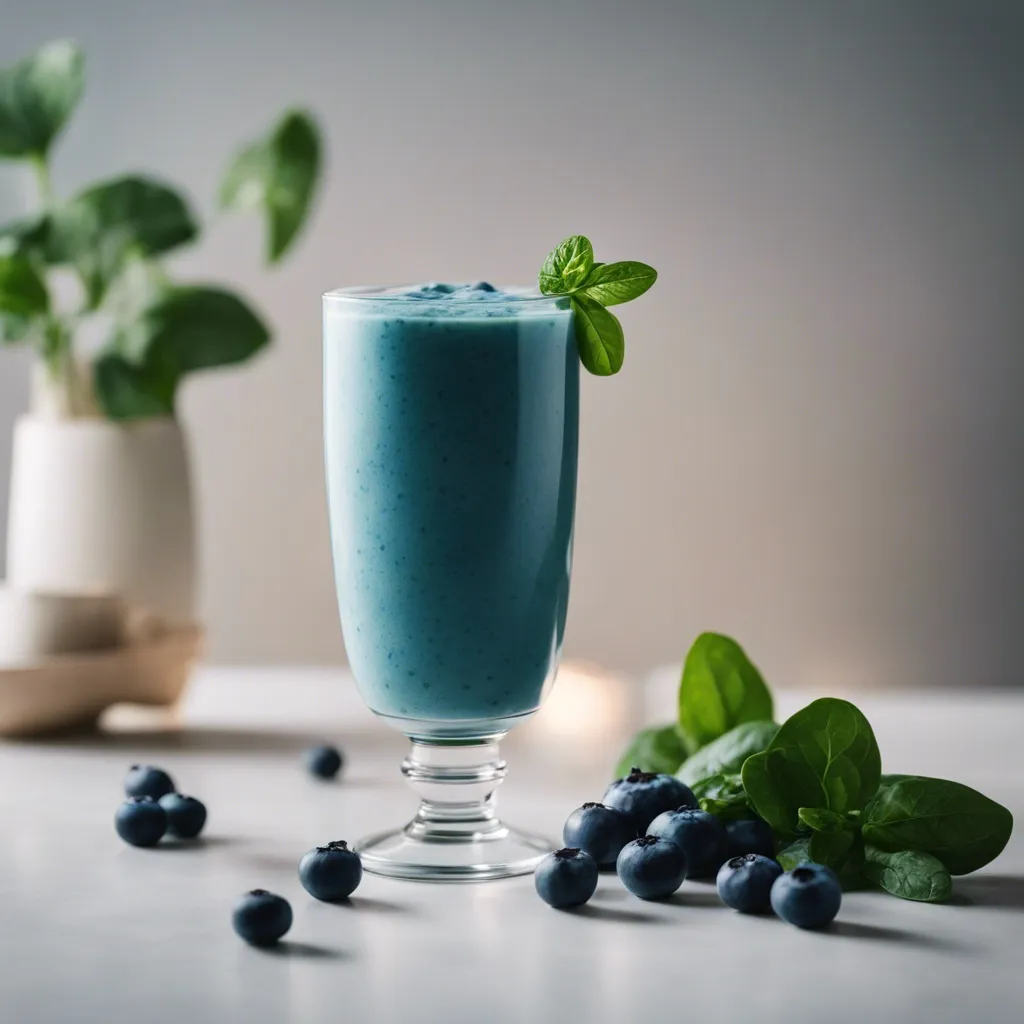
94,930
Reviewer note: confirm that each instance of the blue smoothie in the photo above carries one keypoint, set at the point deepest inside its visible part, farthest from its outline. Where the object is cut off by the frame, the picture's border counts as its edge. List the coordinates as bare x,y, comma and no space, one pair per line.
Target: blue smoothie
451,426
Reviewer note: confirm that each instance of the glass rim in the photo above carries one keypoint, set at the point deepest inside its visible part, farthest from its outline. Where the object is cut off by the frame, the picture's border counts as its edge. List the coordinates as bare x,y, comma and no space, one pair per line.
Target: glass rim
511,295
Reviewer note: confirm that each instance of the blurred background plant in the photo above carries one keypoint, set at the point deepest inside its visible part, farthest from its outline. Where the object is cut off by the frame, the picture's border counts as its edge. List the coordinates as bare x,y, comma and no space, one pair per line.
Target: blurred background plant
81,279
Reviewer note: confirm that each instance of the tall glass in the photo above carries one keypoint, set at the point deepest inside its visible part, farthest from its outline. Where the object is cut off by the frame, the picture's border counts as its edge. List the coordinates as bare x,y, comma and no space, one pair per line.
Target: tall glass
451,430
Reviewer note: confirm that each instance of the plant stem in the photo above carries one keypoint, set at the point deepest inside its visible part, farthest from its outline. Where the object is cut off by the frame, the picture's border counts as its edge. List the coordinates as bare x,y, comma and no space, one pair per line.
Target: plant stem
43,179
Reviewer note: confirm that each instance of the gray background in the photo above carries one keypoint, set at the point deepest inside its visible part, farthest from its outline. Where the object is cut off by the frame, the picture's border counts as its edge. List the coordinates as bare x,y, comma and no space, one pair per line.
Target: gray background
817,438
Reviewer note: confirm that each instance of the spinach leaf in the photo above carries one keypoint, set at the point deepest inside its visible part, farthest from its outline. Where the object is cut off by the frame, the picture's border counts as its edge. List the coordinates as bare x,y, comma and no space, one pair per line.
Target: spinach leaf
849,869
956,824
798,852
661,748
820,820
830,848
726,754
720,688
723,796
909,874
823,756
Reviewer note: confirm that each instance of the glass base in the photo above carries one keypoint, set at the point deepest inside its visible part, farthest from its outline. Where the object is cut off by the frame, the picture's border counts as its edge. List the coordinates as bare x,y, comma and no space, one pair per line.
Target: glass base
456,835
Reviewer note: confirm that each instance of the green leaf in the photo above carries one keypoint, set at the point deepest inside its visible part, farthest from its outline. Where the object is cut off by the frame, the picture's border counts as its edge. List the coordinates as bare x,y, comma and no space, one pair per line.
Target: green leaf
720,689
197,328
277,175
723,796
726,754
963,828
823,756
830,848
98,230
599,337
24,237
909,874
795,854
567,265
37,96
129,391
611,283
849,870
185,330
818,819
657,749
23,292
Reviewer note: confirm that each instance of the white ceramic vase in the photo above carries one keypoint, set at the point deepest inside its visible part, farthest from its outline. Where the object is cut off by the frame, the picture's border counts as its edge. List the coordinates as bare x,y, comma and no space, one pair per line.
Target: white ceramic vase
103,506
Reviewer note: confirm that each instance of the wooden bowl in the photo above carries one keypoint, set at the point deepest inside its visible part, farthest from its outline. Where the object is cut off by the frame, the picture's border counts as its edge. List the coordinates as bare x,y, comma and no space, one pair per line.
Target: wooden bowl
71,691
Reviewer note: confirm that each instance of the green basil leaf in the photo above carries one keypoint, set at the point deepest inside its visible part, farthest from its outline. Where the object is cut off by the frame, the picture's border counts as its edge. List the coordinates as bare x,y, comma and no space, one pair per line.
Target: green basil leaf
909,874
278,176
37,96
599,337
566,267
963,828
720,688
23,292
823,756
98,230
726,754
821,820
610,283
723,796
657,749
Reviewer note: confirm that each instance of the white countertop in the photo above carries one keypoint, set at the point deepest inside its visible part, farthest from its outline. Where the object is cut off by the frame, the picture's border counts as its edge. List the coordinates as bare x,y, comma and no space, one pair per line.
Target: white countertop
94,930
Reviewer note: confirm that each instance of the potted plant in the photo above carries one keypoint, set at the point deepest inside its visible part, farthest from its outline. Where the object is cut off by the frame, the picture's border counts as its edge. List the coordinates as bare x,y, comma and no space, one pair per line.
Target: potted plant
100,488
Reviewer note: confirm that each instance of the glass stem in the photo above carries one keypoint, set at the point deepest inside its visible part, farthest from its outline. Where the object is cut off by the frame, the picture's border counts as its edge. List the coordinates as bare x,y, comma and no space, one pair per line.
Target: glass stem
456,785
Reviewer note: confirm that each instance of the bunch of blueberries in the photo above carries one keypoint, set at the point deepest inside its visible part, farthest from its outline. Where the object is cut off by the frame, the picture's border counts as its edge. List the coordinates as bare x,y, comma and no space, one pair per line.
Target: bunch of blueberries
154,808
651,830
329,873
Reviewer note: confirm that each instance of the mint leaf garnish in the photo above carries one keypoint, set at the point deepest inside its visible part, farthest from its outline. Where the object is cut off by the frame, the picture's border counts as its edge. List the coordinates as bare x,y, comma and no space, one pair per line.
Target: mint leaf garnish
567,266
570,269
598,337
610,283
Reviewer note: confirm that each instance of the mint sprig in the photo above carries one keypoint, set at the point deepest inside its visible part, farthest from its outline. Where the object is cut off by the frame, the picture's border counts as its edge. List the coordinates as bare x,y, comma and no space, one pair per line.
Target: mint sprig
569,269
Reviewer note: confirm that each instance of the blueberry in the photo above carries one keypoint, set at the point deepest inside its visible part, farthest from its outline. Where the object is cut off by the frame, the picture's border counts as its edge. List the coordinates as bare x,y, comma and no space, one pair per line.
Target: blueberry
330,872
261,918
651,867
186,816
745,883
566,878
141,821
145,780
749,835
645,795
324,762
700,836
600,831
809,896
